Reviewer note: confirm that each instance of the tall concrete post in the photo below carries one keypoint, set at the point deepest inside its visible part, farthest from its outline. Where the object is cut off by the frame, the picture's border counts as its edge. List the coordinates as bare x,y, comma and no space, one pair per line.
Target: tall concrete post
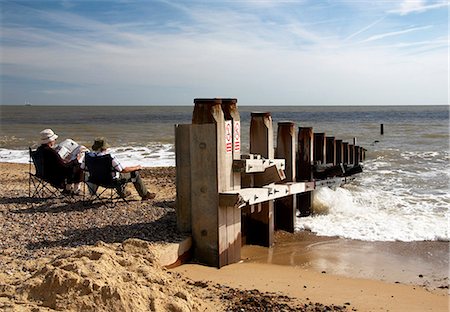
286,207
214,234
231,214
207,156
183,177
231,113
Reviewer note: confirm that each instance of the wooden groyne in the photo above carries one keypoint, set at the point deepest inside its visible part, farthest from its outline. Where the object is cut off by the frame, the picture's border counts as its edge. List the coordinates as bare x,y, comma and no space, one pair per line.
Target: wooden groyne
226,199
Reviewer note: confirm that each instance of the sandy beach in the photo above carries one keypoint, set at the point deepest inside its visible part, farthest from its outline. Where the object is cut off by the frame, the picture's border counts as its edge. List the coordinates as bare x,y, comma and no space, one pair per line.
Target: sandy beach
61,254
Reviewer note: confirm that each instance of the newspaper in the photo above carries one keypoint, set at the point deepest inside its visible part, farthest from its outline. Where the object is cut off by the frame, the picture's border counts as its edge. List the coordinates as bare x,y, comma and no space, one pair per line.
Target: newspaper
68,150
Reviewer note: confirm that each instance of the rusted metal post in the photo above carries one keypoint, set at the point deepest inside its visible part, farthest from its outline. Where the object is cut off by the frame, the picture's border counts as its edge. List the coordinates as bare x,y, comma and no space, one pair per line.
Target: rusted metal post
261,222
339,152
286,207
330,150
304,169
320,149
345,152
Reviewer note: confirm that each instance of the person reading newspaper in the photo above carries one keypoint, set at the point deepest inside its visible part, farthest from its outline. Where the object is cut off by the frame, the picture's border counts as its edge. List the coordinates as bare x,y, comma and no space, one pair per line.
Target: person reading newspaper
60,172
69,150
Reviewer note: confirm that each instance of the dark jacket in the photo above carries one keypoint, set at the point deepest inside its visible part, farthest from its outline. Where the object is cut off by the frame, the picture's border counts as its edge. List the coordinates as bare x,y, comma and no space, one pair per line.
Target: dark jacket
55,170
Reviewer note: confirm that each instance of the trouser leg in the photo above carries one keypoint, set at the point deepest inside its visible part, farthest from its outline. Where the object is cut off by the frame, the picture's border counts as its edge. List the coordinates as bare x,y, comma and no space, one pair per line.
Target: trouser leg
137,182
92,188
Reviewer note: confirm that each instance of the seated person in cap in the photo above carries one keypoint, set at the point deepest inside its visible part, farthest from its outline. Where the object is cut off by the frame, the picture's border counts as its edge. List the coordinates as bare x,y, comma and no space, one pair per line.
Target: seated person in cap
67,175
130,173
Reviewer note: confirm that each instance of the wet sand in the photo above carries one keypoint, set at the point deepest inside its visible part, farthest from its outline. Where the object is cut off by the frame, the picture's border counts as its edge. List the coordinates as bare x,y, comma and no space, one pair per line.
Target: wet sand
364,276
306,285
415,263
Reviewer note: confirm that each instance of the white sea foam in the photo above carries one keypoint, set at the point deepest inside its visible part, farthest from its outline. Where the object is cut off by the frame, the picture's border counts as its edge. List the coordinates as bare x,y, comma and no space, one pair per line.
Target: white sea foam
14,156
385,205
374,217
156,155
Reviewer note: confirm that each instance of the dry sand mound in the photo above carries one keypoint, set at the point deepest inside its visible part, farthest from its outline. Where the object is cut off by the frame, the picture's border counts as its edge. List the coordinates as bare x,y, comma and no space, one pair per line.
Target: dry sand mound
119,277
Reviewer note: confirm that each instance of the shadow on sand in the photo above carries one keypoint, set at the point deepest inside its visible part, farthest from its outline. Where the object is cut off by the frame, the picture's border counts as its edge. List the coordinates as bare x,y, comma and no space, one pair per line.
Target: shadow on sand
50,205
163,230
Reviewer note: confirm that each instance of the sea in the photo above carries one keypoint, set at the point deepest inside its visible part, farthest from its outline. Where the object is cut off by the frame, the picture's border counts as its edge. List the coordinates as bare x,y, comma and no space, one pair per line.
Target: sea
402,195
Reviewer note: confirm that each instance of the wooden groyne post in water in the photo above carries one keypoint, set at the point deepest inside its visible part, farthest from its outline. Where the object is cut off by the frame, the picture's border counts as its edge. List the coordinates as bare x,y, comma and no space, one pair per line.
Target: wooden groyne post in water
286,207
320,148
261,221
226,198
331,150
339,152
305,168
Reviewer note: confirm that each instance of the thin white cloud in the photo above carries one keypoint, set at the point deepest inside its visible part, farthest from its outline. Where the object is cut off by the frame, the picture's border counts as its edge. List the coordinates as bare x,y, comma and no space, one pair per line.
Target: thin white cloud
417,6
394,33
365,28
440,42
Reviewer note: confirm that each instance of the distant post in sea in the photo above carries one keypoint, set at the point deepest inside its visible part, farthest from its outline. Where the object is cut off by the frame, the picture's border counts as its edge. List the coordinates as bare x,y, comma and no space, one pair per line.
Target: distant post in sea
381,129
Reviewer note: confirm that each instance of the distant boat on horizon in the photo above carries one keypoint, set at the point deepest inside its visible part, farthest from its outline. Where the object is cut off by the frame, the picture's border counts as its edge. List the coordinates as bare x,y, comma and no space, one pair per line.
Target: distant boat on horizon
28,103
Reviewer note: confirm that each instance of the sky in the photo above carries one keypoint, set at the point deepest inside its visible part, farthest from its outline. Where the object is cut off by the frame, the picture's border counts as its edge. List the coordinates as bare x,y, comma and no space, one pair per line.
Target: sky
262,52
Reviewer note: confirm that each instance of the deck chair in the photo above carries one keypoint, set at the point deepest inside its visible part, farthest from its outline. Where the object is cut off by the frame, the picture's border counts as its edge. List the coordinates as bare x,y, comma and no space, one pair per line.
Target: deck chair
39,185
100,173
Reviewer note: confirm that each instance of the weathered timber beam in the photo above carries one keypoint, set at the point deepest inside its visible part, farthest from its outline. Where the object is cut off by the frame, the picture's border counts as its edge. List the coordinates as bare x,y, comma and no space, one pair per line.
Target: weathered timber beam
330,182
251,156
251,196
256,165
272,174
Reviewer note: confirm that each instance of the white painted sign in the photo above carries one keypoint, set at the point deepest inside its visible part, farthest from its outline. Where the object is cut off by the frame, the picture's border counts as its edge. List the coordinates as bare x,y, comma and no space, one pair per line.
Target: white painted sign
237,136
228,136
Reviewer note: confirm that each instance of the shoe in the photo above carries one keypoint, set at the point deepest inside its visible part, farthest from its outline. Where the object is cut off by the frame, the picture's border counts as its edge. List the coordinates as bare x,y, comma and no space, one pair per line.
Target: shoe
148,196
67,192
125,194
77,193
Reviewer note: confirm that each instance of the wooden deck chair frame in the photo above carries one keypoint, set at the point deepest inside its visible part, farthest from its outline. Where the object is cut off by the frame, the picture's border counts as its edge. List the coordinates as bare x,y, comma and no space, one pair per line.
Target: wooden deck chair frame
100,173
38,185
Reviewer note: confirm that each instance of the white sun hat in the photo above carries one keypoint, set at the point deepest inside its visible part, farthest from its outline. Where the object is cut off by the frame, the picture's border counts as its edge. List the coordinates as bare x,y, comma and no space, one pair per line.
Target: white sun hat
47,135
